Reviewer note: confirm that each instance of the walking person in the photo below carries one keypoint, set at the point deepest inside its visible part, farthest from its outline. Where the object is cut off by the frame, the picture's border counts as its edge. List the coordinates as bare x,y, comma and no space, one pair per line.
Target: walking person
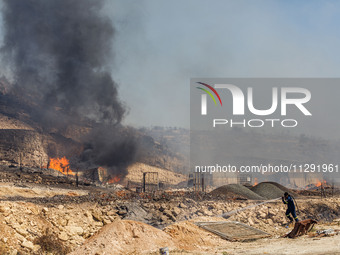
288,200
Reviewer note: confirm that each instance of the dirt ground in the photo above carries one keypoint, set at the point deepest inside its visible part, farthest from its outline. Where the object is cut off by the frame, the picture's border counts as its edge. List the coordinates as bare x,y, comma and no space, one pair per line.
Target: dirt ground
210,244
301,246
41,219
185,237
9,190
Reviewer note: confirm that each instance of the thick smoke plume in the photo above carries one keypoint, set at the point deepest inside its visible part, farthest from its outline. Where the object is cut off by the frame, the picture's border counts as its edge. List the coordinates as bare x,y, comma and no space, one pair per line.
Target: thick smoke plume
59,51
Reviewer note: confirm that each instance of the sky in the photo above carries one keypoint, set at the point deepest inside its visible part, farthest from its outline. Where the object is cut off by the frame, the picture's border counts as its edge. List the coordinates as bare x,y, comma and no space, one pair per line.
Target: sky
159,45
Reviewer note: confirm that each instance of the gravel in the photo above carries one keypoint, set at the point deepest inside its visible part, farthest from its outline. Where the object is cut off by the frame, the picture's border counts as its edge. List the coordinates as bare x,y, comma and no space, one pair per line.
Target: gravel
236,189
268,190
283,188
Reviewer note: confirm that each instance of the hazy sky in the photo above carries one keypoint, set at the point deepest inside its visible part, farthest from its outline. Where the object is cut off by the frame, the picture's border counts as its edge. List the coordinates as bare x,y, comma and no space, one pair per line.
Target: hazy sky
160,45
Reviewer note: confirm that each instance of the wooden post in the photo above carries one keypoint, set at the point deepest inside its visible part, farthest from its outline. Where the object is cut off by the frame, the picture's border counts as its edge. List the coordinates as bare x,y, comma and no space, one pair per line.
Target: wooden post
41,161
203,187
323,194
20,161
144,182
77,178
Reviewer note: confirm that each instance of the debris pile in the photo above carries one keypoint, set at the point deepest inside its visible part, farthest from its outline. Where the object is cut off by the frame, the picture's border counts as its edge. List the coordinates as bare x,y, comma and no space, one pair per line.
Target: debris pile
236,191
126,237
268,190
189,236
326,232
301,228
33,204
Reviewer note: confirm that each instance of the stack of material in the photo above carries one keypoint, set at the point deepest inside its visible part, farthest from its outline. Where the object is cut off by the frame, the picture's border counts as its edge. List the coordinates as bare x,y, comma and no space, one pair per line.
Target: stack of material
268,190
236,190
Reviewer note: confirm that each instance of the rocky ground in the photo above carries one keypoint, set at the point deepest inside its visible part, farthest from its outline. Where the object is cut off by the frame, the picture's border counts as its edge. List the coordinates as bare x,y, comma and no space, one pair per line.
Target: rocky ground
48,219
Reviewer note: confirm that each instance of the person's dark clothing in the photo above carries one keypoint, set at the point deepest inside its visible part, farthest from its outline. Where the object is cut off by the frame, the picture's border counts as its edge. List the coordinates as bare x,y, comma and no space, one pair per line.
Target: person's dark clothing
291,208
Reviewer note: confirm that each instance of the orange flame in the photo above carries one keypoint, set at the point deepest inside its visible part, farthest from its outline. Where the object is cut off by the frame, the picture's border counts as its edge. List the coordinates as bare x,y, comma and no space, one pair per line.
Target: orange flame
255,181
62,165
114,179
318,184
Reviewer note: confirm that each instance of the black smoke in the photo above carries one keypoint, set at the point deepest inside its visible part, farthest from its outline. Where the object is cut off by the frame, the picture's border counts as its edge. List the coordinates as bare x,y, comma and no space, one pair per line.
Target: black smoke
116,150
59,52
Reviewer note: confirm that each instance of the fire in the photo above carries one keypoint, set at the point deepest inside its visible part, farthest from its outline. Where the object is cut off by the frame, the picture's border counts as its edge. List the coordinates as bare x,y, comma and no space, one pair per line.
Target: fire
319,183
62,165
114,179
255,181
104,176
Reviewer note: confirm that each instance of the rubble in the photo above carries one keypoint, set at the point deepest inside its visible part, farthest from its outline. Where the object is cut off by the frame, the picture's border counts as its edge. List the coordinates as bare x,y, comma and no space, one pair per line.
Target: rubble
327,232
71,216
75,222
126,237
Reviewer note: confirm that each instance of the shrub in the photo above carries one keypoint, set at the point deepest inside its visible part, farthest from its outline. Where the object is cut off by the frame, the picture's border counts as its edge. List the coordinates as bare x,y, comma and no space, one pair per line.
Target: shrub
50,243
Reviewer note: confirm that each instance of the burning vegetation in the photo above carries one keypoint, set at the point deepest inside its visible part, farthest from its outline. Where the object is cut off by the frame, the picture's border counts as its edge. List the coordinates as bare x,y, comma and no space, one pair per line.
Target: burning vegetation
62,165
114,179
